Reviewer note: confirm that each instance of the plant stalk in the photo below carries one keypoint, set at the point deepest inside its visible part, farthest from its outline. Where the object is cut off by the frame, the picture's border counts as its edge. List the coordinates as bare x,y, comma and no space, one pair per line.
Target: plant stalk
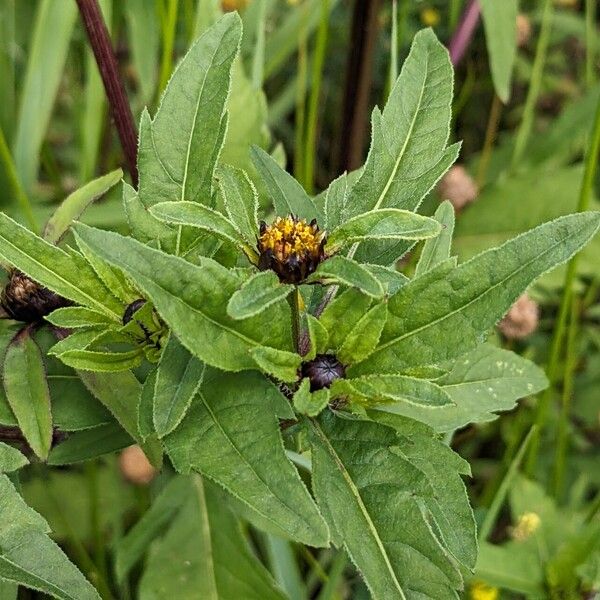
462,36
590,40
99,39
169,26
300,114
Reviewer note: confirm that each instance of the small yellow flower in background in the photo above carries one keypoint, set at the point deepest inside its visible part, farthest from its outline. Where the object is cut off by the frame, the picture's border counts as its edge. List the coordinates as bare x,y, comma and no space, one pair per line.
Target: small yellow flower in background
231,5
430,17
482,591
527,524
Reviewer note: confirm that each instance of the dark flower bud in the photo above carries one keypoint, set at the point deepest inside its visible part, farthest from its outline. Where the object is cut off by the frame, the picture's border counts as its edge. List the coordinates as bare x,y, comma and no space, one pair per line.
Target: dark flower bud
132,309
291,247
322,371
25,300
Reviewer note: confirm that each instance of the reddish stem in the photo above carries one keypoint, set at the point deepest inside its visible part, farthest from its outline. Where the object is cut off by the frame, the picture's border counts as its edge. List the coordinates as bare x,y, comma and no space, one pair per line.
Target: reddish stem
462,36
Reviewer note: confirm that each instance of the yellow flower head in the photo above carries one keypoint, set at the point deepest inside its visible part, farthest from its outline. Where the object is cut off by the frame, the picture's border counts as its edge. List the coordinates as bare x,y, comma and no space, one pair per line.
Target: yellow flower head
430,17
482,591
527,524
291,247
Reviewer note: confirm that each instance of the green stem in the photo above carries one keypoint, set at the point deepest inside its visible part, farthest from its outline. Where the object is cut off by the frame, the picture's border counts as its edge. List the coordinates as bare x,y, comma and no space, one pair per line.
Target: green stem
585,198
330,590
454,13
294,301
169,26
590,40
394,48
313,101
562,443
301,99
15,183
500,496
533,93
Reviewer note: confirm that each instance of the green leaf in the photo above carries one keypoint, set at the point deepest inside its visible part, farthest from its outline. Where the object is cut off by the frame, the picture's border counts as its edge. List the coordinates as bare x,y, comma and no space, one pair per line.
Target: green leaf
391,279
437,250
446,313
288,196
11,459
67,274
231,435
193,299
178,378
257,293
364,337
310,403
90,443
131,548
102,362
387,504
198,216
383,224
178,150
408,149
318,336
205,556
240,200
27,392
341,270
481,383
29,557
391,390
74,205
73,317
280,364
500,23
146,405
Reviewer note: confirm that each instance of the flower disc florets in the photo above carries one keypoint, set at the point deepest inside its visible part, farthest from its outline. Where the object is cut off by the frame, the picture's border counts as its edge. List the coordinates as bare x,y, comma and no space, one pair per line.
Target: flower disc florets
291,247
322,371
25,300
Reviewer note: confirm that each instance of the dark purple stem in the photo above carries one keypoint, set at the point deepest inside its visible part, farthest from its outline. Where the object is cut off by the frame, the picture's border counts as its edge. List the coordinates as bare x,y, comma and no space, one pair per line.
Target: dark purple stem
115,91
463,34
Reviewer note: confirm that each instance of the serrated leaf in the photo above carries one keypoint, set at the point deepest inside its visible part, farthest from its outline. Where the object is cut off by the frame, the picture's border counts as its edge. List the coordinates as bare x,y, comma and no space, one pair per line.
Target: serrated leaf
437,250
391,390
214,560
200,217
481,383
231,435
500,23
341,270
11,459
75,204
72,317
364,337
257,293
280,364
386,511
391,279
240,200
178,378
67,274
24,378
287,195
192,300
179,149
310,403
29,557
102,362
318,336
447,312
383,224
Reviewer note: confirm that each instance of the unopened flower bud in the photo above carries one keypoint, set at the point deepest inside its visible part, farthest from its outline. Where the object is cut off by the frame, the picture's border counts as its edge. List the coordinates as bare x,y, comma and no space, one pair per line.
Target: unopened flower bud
322,371
135,467
458,187
521,320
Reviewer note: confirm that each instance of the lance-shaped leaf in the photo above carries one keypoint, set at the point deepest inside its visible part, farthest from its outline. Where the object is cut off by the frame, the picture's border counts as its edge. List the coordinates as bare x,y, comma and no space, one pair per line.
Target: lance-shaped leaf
310,403
437,250
179,149
278,363
67,274
256,295
199,216
24,378
387,509
481,383
383,224
102,362
75,204
74,317
391,279
392,390
447,311
344,271
318,336
363,339
29,557
178,378
288,196
214,560
192,299
231,435
343,313
240,200
11,459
